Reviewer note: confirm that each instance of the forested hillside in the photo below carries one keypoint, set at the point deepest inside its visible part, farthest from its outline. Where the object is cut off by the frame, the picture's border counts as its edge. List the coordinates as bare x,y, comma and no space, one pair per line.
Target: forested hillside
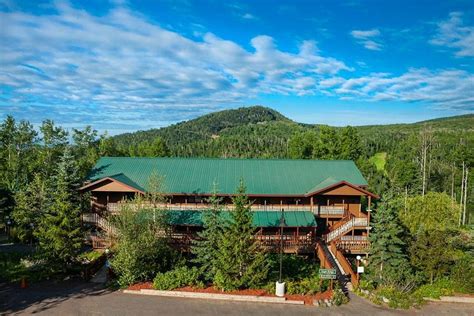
406,158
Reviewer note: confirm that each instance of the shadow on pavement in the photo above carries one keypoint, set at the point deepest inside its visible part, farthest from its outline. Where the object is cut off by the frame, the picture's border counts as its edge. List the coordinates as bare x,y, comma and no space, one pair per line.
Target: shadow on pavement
45,295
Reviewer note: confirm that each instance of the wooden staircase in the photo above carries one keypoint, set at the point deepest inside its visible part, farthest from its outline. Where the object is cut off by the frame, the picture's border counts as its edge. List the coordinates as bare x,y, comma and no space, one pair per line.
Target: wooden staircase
98,241
344,226
329,261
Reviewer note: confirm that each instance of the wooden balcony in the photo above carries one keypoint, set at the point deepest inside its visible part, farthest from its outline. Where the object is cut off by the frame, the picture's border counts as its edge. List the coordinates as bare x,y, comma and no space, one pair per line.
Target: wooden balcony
319,210
329,211
271,243
353,244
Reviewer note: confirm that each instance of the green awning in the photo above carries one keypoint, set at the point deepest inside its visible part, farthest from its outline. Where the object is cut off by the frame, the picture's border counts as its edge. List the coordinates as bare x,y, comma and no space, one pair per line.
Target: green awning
260,218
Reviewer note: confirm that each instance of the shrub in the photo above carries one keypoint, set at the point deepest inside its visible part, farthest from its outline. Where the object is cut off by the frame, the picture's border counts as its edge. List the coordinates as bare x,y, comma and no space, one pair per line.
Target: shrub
306,286
397,298
366,285
295,267
179,277
339,297
89,256
439,288
462,273
140,254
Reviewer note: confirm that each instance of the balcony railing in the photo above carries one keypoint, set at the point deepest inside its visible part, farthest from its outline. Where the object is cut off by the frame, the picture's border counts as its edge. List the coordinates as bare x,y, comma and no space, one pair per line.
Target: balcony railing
353,243
291,243
323,210
331,210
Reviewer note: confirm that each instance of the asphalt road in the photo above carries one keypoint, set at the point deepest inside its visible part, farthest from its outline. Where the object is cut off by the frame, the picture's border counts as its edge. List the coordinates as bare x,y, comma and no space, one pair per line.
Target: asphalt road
79,298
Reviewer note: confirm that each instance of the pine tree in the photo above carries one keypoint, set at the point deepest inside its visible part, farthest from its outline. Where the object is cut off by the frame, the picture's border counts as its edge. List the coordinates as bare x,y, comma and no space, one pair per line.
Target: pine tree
30,205
59,231
388,260
205,247
241,263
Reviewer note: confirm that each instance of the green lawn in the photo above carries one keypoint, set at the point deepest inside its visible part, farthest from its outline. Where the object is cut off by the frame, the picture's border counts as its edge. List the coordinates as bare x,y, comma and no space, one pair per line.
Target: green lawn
379,160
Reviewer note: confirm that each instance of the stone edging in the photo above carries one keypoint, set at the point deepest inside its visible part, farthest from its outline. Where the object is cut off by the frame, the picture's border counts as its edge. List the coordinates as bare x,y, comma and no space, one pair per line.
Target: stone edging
451,299
215,296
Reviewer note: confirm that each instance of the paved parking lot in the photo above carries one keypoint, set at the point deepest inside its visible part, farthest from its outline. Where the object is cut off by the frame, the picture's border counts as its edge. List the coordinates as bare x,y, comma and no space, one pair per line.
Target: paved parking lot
80,298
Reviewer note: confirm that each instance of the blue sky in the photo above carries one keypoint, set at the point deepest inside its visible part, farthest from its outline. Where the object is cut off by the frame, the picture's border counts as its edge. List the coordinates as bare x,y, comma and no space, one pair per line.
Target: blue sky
128,65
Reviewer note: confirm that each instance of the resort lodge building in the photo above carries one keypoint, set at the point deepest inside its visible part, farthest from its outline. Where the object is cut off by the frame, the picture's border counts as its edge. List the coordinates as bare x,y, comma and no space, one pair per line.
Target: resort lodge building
323,202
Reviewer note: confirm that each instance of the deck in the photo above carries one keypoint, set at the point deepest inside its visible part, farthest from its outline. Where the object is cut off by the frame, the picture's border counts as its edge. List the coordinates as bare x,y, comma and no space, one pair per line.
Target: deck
319,210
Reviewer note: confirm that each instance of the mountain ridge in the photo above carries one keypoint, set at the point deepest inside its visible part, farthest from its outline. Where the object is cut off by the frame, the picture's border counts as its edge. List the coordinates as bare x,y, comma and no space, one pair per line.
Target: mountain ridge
258,131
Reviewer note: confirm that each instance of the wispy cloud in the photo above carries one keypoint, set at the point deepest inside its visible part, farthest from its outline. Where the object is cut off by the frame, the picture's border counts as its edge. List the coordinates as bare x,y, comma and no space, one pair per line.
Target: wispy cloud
368,38
453,33
447,89
121,61
121,71
249,16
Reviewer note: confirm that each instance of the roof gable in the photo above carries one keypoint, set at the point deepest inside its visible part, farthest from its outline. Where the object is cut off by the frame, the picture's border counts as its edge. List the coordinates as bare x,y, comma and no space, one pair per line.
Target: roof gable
114,183
282,177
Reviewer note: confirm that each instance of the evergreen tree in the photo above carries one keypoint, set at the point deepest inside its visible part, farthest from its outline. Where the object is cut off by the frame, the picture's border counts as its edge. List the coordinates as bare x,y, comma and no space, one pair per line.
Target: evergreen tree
241,263
350,146
85,149
54,141
433,252
59,231
388,260
327,144
30,205
205,247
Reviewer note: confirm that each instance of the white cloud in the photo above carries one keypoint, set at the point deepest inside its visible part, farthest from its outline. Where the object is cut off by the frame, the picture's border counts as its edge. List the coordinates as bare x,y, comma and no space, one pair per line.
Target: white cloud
368,38
122,61
123,72
249,16
453,33
452,89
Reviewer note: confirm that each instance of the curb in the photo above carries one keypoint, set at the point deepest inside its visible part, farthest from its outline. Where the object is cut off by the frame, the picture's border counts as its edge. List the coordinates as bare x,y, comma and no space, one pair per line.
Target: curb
451,299
212,296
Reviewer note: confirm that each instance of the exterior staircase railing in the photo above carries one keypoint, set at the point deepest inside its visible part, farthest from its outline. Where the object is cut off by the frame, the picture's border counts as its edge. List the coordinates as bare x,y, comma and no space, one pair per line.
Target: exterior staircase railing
328,260
99,221
344,226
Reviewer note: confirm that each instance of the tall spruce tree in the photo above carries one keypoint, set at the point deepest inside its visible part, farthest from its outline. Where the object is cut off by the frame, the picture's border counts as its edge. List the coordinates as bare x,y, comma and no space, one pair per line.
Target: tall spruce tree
30,205
388,260
241,263
59,231
205,247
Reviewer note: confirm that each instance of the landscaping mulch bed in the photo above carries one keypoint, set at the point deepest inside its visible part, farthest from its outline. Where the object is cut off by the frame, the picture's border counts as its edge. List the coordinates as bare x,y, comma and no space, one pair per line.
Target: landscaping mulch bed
141,286
307,299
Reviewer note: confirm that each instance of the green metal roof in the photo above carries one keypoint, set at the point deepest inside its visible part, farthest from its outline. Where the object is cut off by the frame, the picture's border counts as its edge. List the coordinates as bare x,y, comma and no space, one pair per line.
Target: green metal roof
260,218
261,176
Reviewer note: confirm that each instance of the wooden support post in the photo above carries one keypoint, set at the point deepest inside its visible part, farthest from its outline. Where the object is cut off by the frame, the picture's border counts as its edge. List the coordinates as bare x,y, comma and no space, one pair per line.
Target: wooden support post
311,202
